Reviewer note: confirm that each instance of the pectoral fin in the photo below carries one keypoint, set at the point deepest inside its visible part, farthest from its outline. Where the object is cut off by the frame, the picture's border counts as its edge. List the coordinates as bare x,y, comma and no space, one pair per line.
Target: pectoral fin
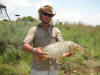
37,58
40,58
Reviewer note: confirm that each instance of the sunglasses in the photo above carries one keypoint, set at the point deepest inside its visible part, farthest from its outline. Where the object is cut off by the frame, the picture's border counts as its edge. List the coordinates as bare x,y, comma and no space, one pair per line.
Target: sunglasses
46,14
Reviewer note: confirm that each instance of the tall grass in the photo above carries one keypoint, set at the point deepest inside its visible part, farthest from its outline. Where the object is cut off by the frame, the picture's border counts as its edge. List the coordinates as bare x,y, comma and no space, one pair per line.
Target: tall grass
14,61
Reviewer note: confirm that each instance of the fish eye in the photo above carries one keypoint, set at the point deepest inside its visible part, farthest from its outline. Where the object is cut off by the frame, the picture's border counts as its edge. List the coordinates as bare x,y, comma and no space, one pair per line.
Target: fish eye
77,47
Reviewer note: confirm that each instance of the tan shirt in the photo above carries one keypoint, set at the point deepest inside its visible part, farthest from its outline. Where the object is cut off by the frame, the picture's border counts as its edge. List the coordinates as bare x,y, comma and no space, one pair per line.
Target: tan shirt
41,38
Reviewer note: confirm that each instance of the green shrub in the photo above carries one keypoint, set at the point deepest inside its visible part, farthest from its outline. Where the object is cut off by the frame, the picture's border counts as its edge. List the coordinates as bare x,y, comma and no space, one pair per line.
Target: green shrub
12,57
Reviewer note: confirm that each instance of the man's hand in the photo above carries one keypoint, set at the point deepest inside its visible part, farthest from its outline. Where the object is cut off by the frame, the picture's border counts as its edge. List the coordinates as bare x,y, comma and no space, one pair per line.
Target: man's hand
69,54
38,52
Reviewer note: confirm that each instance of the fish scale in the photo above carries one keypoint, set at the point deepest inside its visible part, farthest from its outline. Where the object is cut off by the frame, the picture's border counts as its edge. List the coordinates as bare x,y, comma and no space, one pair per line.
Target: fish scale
57,49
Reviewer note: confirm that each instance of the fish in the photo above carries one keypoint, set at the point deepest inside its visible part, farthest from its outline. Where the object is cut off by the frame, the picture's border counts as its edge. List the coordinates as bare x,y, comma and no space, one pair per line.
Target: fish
57,50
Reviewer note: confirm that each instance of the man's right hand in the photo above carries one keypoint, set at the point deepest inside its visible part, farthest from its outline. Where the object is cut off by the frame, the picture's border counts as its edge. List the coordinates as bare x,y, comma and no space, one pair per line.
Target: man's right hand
38,52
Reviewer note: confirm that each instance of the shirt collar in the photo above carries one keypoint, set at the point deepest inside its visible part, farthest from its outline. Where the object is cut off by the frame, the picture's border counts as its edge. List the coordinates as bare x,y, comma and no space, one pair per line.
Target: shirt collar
40,25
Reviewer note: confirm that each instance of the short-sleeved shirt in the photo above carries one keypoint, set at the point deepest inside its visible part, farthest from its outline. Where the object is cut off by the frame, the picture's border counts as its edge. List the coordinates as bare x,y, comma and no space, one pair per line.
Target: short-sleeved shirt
40,38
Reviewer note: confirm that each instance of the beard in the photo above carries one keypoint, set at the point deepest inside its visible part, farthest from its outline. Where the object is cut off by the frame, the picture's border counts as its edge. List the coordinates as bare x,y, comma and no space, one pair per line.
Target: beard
46,22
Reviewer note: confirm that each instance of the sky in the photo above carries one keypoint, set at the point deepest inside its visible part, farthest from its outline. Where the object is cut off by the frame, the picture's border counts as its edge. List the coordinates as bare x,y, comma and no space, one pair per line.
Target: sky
72,11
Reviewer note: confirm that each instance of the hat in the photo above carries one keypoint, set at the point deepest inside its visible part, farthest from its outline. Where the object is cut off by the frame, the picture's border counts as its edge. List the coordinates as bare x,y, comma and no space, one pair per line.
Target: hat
46,9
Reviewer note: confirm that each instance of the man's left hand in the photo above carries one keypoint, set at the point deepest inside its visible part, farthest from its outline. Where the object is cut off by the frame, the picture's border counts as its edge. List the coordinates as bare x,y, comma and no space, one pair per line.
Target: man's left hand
68,54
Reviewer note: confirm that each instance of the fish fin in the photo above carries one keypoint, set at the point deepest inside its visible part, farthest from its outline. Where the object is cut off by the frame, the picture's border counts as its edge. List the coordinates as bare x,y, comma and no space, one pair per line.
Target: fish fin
37,58
44,58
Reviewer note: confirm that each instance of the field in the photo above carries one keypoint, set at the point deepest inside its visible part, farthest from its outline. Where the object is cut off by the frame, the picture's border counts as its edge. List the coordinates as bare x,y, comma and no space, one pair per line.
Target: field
14,61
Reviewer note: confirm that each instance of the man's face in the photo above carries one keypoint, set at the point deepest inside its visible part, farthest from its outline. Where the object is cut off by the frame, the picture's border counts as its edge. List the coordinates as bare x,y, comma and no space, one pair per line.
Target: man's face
46,18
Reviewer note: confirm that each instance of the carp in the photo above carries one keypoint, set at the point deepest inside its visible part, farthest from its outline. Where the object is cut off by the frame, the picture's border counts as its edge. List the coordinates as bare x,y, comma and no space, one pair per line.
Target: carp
57,50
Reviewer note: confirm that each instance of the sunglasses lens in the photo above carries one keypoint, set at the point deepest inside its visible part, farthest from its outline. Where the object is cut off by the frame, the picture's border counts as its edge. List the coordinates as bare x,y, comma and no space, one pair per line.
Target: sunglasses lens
46,14
50,15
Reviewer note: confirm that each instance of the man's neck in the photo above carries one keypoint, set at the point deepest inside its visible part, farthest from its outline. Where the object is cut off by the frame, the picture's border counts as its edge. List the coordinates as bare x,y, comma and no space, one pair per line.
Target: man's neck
45,26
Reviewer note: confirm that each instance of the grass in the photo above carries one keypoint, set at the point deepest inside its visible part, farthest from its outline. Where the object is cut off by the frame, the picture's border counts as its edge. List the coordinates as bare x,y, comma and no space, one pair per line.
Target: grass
14,61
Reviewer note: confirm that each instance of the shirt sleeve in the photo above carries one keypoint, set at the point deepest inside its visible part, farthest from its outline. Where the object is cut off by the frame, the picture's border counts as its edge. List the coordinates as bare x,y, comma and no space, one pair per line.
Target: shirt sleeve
58,35
30,36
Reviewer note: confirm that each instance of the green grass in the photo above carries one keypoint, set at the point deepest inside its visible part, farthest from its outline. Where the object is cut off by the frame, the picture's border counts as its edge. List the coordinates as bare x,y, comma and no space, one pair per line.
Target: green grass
14,61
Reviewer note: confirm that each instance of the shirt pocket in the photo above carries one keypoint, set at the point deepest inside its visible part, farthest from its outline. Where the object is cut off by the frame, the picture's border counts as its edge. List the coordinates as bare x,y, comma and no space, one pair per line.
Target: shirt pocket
39,38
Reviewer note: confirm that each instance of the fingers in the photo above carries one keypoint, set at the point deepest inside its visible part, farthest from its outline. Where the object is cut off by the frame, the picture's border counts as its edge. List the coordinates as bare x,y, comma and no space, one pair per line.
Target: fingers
44,53
69,54
39,52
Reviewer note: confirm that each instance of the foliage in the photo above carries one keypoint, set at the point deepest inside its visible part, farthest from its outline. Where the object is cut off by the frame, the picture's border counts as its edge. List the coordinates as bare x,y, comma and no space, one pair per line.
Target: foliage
29,18
14,61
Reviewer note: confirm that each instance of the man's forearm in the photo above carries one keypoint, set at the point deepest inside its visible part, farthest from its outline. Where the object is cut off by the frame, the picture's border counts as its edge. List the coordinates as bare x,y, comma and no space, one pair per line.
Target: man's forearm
27,47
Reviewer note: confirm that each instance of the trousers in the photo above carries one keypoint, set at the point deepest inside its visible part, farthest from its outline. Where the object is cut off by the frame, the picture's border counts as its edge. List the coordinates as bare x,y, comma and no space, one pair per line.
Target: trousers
35,72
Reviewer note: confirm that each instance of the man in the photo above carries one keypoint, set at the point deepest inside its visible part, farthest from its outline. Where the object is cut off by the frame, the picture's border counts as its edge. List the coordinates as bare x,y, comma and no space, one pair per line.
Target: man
41,35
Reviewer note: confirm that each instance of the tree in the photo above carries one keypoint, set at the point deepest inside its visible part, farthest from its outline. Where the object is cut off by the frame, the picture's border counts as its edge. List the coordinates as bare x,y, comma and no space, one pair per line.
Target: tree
29,18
